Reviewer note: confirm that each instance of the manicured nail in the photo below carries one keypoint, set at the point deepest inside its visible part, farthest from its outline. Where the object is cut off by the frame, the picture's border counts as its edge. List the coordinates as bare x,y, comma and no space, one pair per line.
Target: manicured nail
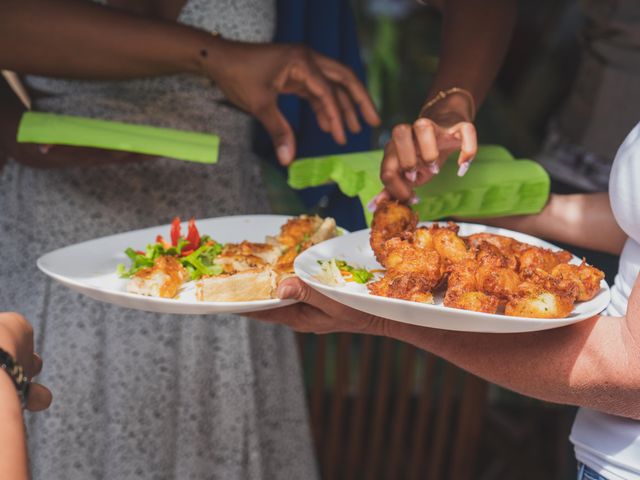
411,175
434,168
284,154
414,200
373,203
464,168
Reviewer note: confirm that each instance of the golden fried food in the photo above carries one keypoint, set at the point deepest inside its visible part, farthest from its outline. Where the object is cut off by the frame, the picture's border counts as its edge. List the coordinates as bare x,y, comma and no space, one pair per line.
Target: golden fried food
535,301
500,282
415,288
298,230
406,256
506,245
390,220
488,254
297,235
475,301
584,277
538,257
462,278
482,272
449,245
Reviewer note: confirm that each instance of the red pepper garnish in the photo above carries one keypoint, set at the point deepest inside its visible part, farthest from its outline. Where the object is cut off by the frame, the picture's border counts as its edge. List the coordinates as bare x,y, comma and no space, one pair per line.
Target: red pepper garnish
175,231
160,239
193,236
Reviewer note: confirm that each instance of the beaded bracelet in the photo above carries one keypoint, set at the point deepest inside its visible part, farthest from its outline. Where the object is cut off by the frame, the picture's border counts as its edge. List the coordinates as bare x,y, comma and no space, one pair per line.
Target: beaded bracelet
442,94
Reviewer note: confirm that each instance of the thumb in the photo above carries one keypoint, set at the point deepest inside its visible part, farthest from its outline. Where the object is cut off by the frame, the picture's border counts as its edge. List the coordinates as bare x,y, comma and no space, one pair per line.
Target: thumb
295,289
280,132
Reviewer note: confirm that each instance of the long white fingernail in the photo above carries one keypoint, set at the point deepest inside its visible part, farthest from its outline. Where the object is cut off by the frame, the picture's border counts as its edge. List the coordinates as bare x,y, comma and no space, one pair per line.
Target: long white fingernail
434,168
373,203
411,175
464,168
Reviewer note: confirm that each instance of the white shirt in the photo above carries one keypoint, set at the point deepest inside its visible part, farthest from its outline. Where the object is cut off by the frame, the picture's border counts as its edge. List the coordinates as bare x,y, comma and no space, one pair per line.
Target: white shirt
608,444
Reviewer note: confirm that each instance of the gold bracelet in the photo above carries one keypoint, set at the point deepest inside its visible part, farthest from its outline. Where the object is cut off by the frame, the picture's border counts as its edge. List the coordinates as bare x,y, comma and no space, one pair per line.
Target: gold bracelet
442,94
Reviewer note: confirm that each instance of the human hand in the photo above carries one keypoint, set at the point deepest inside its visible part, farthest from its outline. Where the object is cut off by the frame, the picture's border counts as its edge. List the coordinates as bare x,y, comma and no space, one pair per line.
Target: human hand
416,152
252,76
16,338
317,313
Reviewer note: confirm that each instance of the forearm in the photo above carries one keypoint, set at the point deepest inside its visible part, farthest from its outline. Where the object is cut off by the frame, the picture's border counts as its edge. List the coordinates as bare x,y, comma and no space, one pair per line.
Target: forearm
13,454
584,220
591,363
475,38
79,39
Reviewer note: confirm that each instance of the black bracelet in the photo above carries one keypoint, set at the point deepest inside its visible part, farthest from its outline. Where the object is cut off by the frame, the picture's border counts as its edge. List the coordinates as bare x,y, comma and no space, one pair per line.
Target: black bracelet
15,371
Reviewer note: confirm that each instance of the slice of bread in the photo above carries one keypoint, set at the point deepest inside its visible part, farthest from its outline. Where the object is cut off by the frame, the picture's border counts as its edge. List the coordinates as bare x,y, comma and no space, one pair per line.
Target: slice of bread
256,284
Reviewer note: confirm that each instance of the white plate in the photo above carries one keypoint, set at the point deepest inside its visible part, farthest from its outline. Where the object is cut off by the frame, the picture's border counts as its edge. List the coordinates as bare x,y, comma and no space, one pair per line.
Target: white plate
90,267
355,249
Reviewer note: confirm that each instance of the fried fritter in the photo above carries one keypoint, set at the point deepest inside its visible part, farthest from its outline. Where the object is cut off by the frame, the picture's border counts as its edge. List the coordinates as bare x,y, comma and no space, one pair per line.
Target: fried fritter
584,277
462,278
449,245
475,301
500,282
390,220
506,245
415,288
538,257
535,301
488,254
406,256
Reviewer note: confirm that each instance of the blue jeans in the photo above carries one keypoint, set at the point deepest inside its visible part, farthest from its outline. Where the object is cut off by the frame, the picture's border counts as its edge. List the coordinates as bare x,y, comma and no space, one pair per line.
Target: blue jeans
586,473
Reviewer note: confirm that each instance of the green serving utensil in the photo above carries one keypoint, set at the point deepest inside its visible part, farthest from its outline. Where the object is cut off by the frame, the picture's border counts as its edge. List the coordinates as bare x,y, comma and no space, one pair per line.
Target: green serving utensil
48,128
496,184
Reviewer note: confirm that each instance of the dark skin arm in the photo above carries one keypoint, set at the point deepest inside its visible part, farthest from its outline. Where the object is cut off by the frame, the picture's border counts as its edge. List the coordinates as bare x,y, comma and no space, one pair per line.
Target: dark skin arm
475,37
84,40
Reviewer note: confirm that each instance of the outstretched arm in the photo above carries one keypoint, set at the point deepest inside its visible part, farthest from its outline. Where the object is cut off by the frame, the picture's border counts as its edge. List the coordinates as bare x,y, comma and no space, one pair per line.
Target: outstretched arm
475,37
584,220
80,39
593,363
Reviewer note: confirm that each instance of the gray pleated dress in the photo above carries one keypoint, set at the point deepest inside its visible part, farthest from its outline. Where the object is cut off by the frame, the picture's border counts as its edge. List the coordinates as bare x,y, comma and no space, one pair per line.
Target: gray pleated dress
139,395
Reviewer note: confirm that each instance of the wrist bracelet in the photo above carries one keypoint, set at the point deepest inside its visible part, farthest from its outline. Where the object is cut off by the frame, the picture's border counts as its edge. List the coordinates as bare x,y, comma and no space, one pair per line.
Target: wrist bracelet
442,94
15,372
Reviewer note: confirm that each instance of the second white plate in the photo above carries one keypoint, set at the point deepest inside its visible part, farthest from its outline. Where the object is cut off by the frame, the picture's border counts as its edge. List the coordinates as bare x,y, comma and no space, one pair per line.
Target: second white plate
355,249
90,267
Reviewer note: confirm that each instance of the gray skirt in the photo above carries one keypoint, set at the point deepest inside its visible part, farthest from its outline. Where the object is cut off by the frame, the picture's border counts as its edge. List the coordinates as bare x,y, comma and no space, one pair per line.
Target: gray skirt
140,395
